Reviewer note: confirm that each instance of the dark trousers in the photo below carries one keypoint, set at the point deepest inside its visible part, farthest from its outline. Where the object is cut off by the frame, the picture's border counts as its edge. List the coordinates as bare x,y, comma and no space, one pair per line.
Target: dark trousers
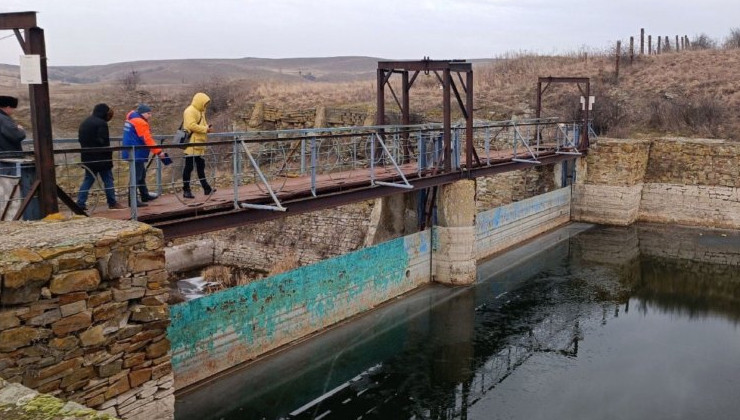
200,167
140,168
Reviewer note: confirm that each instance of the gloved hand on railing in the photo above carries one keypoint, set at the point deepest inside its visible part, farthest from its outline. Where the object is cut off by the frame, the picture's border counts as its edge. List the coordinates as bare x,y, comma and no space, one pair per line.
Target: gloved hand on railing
165,158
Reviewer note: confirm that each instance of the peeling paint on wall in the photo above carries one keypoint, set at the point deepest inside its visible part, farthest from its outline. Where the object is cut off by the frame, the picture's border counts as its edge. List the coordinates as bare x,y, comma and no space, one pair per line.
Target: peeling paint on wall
218,331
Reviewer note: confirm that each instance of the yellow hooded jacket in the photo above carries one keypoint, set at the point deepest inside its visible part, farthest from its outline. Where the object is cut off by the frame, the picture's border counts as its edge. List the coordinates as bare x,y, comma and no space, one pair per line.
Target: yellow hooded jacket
194,121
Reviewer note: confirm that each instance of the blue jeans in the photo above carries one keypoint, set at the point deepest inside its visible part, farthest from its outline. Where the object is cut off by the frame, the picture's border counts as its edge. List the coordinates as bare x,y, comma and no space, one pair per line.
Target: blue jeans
106,175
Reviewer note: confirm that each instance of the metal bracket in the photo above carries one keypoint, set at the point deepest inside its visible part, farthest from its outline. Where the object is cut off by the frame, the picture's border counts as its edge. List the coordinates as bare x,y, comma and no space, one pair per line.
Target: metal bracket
405,184
519,138
278,206
569,143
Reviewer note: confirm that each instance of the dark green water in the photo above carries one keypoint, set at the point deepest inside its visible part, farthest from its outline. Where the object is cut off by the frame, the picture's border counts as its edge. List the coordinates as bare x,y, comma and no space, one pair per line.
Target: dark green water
609,323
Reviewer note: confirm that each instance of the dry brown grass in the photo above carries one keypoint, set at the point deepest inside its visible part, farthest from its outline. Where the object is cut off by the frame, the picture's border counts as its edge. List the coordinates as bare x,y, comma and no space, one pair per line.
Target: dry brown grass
687,93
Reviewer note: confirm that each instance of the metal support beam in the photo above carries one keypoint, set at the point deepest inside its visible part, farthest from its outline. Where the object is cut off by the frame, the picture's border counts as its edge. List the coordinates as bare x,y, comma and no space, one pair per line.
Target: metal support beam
447,120
587,93
41,121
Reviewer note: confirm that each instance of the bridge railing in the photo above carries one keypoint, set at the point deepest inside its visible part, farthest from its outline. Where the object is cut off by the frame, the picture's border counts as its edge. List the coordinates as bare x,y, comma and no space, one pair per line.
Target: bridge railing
289,163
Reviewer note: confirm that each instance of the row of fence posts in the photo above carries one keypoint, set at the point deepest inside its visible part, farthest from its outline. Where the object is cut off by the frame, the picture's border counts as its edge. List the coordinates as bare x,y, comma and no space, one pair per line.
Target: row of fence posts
663,45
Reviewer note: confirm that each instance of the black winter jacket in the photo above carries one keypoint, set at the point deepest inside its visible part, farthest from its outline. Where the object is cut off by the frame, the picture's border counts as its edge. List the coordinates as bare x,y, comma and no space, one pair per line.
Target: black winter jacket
93,132
10,137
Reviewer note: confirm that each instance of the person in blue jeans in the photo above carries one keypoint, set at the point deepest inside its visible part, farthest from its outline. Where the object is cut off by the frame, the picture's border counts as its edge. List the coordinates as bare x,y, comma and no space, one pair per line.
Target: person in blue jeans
93,133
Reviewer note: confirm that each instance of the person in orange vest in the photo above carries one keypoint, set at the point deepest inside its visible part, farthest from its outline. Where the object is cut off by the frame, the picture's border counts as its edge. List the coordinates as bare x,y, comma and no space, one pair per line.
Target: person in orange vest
136,132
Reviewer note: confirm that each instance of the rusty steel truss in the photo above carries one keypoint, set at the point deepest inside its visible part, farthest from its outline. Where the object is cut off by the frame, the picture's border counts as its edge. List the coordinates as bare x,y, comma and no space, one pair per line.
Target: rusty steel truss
443,70
585,91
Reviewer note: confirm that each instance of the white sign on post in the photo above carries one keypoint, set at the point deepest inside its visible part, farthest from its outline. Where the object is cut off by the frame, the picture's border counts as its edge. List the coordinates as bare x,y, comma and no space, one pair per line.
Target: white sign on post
31,69
591,100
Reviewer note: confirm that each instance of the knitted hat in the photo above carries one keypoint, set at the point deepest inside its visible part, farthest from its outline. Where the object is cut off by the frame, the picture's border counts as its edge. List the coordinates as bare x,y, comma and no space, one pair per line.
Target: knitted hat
8,101
143,108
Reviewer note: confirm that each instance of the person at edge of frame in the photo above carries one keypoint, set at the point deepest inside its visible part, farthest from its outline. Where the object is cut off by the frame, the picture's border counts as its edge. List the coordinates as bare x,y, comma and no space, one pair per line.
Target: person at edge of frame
11,133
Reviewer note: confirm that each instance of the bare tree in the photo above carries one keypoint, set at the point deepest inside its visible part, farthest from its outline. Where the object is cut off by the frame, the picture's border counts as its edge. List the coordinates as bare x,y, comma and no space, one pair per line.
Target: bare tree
703,42
733,40
130,81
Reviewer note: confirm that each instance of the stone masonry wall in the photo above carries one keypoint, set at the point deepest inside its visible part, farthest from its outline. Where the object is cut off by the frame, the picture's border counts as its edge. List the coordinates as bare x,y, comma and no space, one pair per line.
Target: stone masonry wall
84,314
673,180
693,182
609,184
509,187
306,238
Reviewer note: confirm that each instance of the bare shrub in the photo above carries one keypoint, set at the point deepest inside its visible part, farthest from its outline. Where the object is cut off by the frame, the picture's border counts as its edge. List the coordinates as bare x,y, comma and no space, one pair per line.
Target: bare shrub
685,115
733,40
222,277
289,262
130,81
219,91
611,114
703,42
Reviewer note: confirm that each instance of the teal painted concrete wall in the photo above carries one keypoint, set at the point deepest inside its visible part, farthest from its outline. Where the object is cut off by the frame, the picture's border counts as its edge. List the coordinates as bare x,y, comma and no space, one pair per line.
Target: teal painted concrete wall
221,330
508,225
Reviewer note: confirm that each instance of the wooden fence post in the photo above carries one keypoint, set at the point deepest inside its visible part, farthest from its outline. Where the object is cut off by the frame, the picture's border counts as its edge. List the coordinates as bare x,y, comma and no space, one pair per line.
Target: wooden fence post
667,46
619,53
632,49
660,43
642,41
650,45
677,46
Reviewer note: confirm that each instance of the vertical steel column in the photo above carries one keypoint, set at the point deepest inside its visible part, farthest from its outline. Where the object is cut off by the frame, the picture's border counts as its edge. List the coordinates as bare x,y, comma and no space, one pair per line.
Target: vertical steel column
380,105
41,121
447,120
469,122
405,116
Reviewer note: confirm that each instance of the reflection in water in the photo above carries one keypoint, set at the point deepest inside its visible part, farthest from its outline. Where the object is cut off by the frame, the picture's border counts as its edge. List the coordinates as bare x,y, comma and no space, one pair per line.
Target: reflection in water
594,327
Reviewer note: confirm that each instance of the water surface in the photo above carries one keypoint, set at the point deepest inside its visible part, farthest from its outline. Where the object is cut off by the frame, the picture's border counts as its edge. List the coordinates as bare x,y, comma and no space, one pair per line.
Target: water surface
609,323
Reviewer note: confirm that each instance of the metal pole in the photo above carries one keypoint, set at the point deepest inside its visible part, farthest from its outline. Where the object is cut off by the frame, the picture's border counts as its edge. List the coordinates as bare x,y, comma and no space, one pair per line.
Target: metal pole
235,166
132,201
380,104
447,120
469,122
41,122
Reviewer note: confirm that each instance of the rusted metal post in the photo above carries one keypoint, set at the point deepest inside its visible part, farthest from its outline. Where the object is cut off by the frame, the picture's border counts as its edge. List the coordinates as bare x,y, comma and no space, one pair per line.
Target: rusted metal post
41,121
380,99
469,121
642,41
405,114
632,50
447,119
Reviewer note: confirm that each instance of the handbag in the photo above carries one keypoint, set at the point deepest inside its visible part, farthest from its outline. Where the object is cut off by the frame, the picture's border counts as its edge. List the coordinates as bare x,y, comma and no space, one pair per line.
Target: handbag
182,136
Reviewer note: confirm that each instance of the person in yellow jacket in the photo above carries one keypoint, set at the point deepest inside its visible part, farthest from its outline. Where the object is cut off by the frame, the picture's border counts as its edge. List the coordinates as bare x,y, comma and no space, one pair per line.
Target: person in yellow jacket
194,122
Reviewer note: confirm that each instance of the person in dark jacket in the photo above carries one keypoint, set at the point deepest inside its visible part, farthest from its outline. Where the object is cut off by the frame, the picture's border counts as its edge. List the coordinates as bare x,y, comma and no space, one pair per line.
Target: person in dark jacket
93,133
11,133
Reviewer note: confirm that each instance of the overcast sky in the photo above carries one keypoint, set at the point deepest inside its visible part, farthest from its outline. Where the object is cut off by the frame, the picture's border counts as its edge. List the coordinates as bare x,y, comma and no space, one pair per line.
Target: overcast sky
82,32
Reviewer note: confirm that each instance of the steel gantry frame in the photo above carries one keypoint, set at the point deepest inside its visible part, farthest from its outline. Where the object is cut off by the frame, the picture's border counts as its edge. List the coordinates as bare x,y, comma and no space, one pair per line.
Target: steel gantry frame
584,143
32,43
386,69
